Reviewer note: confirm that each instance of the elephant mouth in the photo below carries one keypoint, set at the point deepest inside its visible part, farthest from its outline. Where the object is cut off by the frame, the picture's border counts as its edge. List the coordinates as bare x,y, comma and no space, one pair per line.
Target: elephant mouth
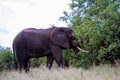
82,50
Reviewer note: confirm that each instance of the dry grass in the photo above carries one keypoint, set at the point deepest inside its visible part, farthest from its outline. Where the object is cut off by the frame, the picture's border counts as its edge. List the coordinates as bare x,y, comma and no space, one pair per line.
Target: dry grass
41,73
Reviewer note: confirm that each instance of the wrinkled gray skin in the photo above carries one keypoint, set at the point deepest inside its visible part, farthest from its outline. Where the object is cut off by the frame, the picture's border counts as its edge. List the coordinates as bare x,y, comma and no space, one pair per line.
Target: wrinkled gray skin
35,43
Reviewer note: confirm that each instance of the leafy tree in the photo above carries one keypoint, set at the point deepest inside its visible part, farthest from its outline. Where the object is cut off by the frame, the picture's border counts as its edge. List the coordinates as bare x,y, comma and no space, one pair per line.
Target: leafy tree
97,27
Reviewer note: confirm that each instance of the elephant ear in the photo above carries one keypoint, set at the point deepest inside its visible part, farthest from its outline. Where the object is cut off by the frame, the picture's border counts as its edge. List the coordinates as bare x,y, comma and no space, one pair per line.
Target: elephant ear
58,37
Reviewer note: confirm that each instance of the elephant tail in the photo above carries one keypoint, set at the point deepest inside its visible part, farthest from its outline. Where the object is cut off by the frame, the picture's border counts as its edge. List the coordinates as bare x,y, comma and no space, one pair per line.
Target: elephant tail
15,60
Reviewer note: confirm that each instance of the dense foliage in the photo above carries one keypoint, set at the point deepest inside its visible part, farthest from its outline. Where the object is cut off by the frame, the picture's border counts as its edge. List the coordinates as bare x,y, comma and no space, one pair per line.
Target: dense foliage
97,27
6,59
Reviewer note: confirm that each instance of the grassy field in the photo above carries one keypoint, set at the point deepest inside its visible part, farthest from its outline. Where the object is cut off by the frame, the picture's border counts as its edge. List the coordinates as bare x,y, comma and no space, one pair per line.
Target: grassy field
41,73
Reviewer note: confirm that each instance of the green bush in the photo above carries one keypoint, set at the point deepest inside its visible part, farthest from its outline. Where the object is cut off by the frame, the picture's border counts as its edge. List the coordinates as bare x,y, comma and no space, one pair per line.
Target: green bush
6,59
36,62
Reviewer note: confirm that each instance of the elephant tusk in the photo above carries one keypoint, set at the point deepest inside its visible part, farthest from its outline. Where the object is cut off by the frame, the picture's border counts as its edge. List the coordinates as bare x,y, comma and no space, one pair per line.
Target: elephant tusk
82,50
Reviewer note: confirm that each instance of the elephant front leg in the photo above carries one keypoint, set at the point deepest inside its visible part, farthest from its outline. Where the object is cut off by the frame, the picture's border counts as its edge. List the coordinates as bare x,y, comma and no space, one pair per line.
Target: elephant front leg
57,54
50,60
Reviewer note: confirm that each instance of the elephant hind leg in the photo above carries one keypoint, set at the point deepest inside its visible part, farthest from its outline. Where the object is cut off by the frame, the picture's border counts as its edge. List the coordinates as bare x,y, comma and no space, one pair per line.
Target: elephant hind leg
21,65
15,64
21,61
26,65
50,60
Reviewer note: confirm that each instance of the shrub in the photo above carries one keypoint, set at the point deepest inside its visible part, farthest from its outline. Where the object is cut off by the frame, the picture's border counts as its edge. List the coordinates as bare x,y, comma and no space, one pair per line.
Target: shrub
6,59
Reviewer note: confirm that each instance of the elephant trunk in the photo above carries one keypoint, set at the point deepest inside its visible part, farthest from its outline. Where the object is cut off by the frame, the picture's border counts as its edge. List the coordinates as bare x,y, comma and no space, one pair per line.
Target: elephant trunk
82,50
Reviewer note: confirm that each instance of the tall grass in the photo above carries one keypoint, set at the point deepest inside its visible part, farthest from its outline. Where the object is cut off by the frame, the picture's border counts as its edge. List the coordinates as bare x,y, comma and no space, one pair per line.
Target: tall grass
42,73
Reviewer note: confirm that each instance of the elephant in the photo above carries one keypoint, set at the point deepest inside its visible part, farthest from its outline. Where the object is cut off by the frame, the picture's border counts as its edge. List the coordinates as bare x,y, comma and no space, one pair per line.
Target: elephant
35,43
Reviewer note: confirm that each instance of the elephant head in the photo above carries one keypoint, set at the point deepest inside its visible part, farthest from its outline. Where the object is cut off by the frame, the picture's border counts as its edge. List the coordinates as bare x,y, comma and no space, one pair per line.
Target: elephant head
61,37
64,37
